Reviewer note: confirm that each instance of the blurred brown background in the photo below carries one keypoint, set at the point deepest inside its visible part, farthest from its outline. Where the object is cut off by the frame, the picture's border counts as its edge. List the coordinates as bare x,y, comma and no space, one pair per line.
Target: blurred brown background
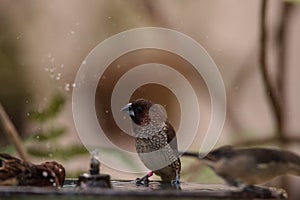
43,43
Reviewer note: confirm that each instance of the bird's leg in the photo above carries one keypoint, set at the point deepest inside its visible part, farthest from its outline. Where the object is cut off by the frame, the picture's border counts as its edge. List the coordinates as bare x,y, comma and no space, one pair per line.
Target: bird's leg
176,182
144,180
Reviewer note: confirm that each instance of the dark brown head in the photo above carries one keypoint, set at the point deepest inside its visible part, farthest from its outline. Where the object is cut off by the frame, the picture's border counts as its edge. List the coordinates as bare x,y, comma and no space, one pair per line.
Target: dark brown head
138,110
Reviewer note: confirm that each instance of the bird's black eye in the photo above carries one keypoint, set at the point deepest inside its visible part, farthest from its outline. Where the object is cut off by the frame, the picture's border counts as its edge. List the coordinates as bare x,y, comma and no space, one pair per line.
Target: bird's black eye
139,109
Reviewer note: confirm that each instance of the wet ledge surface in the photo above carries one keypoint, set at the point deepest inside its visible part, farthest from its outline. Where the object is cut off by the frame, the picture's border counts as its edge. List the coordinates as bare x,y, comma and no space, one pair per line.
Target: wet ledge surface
128,190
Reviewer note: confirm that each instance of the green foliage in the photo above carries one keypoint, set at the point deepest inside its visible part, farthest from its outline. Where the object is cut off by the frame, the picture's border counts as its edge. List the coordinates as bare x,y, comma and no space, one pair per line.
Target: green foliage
47,131
44,142
51,134
9,149
54,108
60,153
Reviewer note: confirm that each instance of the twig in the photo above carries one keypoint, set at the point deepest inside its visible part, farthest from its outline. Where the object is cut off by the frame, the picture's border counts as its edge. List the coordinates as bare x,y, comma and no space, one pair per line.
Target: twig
276,97
281,57
153,10
12,134
270,90
281,38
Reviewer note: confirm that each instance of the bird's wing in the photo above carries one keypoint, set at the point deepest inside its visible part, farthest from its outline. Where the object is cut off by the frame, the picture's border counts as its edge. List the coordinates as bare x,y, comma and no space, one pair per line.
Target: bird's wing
171,136
10,168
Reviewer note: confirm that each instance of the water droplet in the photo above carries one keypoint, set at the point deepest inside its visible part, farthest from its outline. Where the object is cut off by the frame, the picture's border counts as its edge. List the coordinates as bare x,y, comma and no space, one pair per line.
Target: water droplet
52,70
45,174
84,62
37,137
67,87
73,85
58,76
28,114
109,17
118,66
106,111
72,32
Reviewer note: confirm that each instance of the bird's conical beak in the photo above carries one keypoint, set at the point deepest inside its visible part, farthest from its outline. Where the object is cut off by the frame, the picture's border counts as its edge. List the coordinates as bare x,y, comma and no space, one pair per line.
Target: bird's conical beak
127,108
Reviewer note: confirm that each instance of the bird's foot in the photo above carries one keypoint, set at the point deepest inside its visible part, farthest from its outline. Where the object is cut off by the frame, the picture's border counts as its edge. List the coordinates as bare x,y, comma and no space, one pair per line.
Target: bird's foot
144,180
176,182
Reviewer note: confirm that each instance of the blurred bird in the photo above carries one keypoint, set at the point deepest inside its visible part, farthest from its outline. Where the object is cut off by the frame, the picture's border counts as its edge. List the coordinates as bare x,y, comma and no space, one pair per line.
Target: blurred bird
14,171
156,142
244,167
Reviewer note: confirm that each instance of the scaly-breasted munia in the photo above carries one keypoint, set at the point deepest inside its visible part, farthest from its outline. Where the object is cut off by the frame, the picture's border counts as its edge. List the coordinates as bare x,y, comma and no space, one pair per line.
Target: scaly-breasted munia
244,167
156,142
